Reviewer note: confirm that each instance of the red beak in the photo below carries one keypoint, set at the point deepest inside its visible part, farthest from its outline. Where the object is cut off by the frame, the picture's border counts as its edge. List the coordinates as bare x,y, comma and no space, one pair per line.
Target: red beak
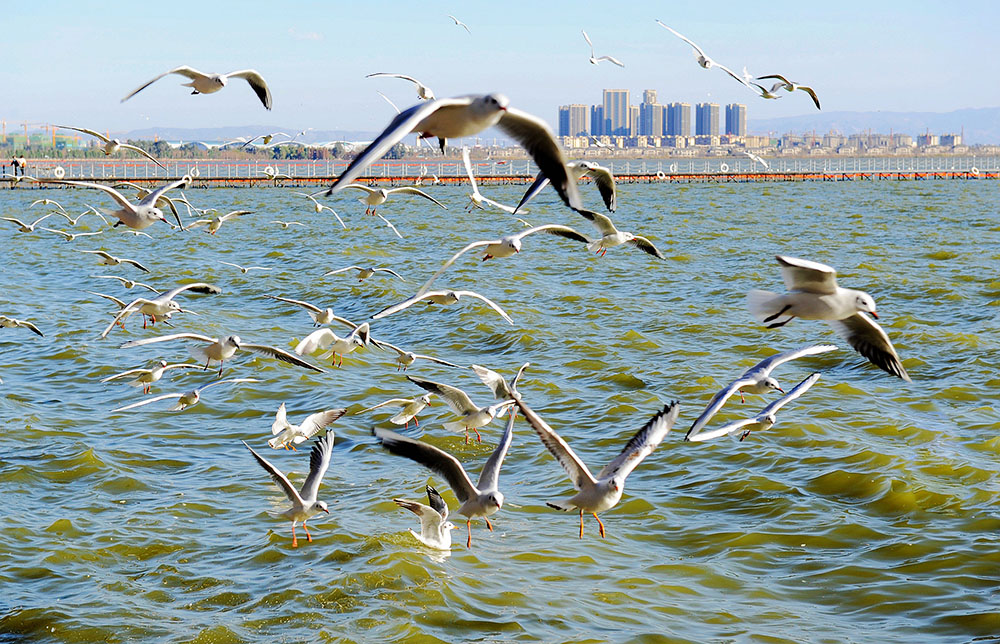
874,315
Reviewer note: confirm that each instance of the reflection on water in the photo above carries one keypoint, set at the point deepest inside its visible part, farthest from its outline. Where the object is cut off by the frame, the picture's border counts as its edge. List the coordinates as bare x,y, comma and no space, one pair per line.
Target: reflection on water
868,512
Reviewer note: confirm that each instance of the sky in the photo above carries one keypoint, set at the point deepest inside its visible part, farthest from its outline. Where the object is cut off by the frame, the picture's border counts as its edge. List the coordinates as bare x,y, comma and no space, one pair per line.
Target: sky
70,63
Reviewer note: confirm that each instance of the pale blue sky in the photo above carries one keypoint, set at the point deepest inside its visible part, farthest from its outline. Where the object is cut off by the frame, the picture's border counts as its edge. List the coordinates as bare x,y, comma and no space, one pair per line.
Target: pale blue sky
72,62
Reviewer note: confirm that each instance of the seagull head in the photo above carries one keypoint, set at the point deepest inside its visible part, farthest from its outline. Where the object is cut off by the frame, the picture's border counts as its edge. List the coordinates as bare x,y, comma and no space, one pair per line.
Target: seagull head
234,340
864,302
497,102
219,79
771,383
321,505
426,399
494,500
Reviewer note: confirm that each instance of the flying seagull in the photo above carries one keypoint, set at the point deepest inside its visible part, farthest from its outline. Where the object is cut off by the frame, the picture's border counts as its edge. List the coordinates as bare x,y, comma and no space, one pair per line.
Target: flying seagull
211,83
112,145
435,528
594,60
423,92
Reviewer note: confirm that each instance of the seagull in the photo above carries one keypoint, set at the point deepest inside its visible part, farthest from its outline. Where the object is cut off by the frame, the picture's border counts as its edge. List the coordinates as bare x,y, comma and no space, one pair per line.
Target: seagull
389,224
335,346
755,158
246,269
286,224
764,420
186,399
813,294
435,528
791,87
211,83
578,169
465,116
374,197
506,246
603,492
13,323
393,105
71,236
364,272
271,174
593,59
473,416
459,23
107,259
146,377
91,211
406,358
112,145
476,199
502,390
49,202
27,228
702,58
215,223
287,435
423,92
319,316
755,380
135,216
221,349
266,138
305,505
441,297
763,92
480,500
162,305
319,207
127,283
411,407
612,237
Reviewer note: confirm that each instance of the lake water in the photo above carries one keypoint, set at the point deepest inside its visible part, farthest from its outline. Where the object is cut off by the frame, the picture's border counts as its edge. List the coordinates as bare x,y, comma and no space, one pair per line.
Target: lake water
868,513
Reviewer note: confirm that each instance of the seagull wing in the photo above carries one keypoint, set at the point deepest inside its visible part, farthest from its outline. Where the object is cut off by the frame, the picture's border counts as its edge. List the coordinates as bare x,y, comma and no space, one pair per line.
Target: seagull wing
612,59
868,339
197,287
256,82
233,215
536,137
437,360
426,286
493,305
603,223
605,184
305,305
154,196
124,374
811,93
342,270
497,204
493,380
279,478
407,190
455,398
587,38
728,428
147,401
643,443
468,171
431,457
398,128
696,47
715,404
739,79
85,131
795,392
537,186
126,311
167,338
387,223
280,354
804,275
555,229
315,422
489,478
646,246
319,463
390,271
127,146
405,304
575,468
135,263
183,70
393,401
117,196
764,368
777,77
30,326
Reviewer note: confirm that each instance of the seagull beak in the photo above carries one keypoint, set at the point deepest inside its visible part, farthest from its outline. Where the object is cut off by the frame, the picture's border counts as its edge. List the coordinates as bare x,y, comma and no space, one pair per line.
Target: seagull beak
326,510
874,315
780,389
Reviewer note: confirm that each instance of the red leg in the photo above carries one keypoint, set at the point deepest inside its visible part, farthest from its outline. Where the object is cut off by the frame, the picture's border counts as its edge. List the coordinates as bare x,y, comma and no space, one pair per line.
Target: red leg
488,524
581,517
295,541
468,524
581,523
479,439
416,422
310,538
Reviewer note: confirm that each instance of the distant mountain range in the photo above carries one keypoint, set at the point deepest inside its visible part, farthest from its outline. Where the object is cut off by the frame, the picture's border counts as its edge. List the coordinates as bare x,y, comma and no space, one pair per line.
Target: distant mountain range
981,126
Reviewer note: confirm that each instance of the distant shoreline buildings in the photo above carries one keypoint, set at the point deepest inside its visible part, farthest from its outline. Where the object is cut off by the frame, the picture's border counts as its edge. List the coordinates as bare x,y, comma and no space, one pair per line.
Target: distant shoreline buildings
666,130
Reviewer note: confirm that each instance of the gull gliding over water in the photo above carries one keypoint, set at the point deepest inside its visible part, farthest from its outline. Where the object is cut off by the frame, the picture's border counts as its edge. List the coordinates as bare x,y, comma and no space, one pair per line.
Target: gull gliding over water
319,316
375,197
597,494
112,145
473,416
107,259
136,216
764,420
364,272
218,350
611,236
319,207
305,503
813,294
602,177
162,305
146,377
410,408
443,297
755,380
702,58
287,435
465,116
186,399
435,528
14,323
480,500
211,83
476,199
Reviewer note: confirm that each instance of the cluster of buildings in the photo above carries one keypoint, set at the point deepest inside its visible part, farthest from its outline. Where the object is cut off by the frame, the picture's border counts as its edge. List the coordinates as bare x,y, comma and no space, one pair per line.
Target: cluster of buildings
618,123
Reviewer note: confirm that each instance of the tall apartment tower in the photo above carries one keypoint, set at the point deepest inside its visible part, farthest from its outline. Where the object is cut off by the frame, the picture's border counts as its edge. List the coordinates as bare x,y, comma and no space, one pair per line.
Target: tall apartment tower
679,119
706,119
736,119
650,115
616,112
597,120
574,120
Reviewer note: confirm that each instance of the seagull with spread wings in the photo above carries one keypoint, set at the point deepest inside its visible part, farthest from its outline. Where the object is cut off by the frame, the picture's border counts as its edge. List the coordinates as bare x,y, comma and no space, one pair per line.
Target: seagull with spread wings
445,298
472,415
185,399
107,259
602,177
435,528
13,323
163,305
112,145
375,197
423,92
476,199
140,215
287,435
146,377
210,83
611,236
703,59
218,350
594,59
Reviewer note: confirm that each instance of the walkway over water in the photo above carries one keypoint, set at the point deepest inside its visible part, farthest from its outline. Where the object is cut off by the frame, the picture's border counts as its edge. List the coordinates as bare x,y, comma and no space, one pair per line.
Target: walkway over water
498,171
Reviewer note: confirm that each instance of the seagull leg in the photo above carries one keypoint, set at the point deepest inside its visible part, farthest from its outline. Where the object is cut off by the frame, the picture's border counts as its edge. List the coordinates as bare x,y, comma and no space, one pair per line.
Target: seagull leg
742,398
581,516
745,434
310,538
581,523
488,524
780,324
778,314
295,540
468,524
415,421
466,435
479,439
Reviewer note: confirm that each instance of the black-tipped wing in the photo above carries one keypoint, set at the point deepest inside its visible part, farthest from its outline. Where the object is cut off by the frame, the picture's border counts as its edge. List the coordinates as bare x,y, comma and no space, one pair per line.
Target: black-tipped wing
319,463
646,246
643,443
280,354
536,137
275,473
431,457
489,478
437,503
575,468
257,83
871,341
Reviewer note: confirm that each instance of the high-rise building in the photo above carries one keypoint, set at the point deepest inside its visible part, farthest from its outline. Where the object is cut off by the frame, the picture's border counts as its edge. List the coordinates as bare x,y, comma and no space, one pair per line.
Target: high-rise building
679,119
616,112
597,120
574,120
736,119
633,120
649,96
651,119
706,121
